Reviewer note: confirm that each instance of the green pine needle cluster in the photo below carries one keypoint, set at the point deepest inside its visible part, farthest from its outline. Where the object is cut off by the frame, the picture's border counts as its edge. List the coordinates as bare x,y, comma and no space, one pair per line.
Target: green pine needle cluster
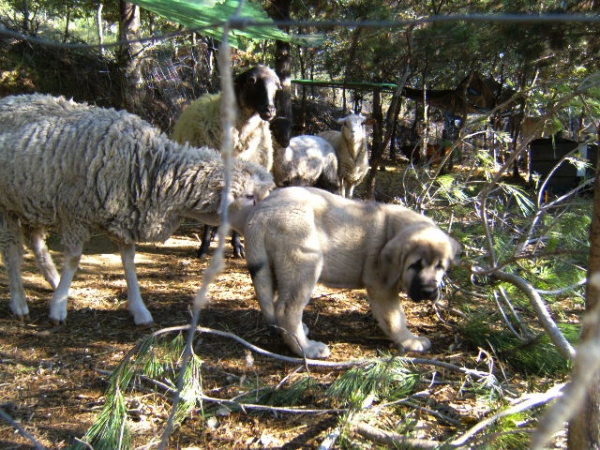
155,360
389,379
538,357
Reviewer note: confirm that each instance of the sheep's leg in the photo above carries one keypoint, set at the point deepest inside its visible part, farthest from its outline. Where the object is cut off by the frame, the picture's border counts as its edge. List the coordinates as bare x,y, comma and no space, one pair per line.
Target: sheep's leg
295,285
351,190
390,315
43,257
11,245
343,187
207,234
238,248
58,304
137,308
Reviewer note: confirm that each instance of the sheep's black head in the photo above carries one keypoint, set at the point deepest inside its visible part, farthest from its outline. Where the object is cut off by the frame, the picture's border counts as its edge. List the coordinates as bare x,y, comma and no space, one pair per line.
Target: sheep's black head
281,130
255,91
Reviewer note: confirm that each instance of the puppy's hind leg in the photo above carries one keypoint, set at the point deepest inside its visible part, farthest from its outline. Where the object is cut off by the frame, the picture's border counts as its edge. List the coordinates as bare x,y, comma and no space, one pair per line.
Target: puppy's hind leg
295,289
263,282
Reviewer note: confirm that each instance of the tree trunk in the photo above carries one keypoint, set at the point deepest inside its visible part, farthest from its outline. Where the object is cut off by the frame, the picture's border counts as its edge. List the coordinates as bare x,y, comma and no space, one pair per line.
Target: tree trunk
132,85
376,148
67,23
26,21
280,10
584,428
350,63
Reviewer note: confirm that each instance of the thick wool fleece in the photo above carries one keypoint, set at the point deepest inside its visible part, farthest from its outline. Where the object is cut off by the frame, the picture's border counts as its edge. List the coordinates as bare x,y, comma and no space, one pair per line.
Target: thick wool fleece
200,124
74,168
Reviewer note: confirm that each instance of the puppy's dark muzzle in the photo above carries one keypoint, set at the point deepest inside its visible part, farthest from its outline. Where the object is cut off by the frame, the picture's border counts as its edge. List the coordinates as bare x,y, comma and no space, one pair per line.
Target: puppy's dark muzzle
424,292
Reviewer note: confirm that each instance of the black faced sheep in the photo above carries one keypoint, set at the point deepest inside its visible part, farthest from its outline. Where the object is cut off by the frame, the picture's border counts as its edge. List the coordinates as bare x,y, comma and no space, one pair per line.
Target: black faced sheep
200,124
74,168
302,160
350,146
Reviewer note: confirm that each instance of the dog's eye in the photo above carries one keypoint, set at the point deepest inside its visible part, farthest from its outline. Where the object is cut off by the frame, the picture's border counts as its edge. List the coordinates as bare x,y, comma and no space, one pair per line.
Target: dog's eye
416,266
440,266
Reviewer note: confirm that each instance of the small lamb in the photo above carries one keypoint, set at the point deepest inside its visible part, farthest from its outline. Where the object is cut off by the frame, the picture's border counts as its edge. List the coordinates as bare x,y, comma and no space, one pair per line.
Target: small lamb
74,168
302,160
350,146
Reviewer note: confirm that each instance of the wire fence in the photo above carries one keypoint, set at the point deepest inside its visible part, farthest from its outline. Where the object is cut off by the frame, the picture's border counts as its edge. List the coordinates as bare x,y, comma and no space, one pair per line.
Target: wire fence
164,76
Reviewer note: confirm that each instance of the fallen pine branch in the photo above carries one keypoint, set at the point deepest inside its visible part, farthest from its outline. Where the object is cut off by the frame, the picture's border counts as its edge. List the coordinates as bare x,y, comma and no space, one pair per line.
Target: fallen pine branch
530,401
392,439
318,362
558,339
8,419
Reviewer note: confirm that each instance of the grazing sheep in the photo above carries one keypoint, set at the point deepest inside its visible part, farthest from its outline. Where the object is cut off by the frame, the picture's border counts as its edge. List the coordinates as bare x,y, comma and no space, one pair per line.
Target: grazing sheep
302,160
74,168
299,236
350,146
200,124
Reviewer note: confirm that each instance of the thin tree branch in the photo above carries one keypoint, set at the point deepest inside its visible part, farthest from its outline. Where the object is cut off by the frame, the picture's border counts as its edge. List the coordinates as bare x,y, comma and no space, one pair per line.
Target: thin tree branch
217,264
558,339
4,415
530,401
587,363
392,439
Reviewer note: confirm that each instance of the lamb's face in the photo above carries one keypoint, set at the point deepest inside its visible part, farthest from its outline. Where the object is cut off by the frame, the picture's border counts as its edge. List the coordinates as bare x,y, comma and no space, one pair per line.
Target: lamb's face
252,183
255,188
255,90
353,127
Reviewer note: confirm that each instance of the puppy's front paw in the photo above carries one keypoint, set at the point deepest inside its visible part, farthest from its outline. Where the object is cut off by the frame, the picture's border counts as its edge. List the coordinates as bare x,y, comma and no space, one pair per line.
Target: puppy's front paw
316,350
416,344
305,328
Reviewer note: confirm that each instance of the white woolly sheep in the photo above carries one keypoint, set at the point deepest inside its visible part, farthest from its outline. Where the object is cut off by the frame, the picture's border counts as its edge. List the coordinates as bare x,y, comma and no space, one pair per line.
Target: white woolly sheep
302,160
350,146
200,124
74,168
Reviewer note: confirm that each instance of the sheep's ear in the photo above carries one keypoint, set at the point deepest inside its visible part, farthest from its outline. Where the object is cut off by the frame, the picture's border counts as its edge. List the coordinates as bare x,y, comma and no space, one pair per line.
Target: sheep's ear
369,122
251,80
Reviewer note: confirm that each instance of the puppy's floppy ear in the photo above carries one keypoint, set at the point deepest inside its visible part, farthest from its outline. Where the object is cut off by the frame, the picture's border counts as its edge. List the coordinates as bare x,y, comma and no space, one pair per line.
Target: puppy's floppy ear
456,249
391,262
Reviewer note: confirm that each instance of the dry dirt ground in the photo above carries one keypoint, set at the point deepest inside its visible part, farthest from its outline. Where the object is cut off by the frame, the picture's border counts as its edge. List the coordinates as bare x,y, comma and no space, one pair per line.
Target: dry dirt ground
53,379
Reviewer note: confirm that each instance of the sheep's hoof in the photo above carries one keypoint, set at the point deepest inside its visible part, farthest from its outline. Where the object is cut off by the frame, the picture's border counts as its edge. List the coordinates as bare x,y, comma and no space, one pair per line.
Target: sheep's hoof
23,318
201,252
145,326
57,322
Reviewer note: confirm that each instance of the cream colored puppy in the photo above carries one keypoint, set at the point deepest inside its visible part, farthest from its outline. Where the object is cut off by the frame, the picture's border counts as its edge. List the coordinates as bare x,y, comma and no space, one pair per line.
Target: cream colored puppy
299,236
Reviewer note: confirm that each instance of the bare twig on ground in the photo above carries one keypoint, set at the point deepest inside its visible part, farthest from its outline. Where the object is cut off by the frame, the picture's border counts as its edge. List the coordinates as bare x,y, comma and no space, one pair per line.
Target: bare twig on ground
6,417
392,439
528,402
